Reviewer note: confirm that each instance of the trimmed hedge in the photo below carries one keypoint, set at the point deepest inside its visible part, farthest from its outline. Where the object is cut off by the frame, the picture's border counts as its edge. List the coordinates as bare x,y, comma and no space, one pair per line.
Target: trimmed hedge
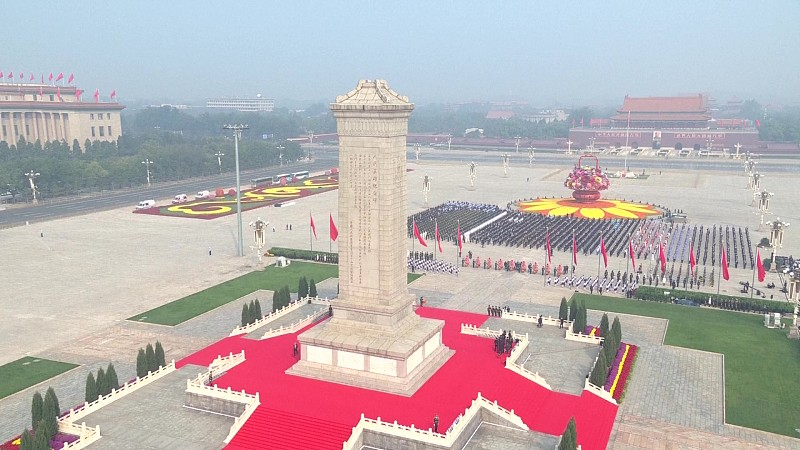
308,255
728,302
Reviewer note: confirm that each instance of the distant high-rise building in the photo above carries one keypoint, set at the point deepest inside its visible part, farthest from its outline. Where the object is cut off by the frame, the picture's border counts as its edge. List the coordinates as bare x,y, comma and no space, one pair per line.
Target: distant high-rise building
45,113
257,104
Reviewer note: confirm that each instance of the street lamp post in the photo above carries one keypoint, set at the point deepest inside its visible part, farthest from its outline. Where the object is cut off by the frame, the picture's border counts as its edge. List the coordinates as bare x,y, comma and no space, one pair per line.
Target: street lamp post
416,150
473,172
32,180
147,163
777,227
237,134
517,140
531,154
280,154
219,156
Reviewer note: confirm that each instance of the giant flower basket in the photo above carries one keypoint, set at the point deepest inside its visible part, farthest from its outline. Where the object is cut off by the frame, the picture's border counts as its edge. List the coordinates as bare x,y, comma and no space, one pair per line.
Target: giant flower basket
586,181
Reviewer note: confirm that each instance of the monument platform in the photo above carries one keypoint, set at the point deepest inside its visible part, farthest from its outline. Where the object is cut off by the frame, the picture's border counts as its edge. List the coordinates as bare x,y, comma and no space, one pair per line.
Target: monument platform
397,360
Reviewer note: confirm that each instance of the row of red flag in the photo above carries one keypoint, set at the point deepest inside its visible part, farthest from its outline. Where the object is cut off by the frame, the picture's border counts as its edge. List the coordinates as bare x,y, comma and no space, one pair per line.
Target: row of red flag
661,256
334,234
10,75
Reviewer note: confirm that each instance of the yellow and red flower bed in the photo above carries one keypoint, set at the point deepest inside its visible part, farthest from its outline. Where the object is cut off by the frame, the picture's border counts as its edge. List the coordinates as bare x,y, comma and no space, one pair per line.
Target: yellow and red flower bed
620,370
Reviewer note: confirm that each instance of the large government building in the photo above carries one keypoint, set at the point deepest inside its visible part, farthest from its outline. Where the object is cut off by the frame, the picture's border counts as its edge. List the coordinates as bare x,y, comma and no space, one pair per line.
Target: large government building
55,113
673,122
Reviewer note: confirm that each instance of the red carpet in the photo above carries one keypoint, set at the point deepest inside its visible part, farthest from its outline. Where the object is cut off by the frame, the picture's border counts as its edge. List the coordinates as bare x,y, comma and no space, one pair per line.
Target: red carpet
328,411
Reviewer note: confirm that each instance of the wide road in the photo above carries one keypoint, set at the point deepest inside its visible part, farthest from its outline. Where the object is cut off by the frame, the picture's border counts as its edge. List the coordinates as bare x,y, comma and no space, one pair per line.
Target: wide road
16,215
326,157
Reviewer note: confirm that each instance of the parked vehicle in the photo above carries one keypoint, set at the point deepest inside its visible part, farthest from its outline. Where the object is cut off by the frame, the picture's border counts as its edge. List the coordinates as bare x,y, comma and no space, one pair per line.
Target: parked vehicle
204,195
180,198
146,204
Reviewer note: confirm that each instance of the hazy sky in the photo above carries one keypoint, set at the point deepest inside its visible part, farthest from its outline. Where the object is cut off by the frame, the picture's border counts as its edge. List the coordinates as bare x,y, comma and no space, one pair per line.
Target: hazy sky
552,52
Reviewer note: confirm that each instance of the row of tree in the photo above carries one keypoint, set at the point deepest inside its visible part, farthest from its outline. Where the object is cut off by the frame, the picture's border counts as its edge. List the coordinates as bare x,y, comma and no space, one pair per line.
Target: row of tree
150,359
44,422
612,339
105,382
251,312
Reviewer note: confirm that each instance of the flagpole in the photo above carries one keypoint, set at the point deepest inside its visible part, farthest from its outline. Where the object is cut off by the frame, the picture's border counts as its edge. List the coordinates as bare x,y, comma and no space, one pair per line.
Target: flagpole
753,284
436,224
310,241
719,276
630,252
599,254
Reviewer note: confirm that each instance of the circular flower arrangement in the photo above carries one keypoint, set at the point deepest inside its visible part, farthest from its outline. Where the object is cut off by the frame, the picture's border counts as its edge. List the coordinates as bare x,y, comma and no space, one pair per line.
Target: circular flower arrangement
586,181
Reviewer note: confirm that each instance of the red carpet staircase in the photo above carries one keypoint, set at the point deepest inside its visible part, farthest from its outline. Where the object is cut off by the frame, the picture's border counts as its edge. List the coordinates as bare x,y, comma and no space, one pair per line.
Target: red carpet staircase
270,429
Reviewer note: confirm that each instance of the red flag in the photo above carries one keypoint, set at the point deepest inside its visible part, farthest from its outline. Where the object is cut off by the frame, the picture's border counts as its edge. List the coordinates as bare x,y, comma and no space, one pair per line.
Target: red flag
547,248
32,78
21,77
78,93
630,252
113,94
459,237
574,250
41,92
97,95
58,93
724,264
438,238
692,262
60,76
758,123
1,74
51,77
760,265
662,257
313,228
603,251
10,75
419,235
71,77
334,231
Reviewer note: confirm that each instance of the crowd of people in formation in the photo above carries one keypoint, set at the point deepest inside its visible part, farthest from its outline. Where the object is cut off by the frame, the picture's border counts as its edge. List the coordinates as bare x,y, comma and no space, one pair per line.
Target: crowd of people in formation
496,311
504,343
424,262
526,230
449,216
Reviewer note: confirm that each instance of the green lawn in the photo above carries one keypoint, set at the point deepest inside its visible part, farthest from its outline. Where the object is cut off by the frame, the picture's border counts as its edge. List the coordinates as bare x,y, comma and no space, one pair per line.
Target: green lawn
761,364
271,278
28,371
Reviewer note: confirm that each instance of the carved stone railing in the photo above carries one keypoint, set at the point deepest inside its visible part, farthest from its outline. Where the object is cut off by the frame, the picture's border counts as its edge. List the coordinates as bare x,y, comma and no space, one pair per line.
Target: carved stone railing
580,337
429,436
294,327
534,318
86,435
225,363
516,352
269,317
597,390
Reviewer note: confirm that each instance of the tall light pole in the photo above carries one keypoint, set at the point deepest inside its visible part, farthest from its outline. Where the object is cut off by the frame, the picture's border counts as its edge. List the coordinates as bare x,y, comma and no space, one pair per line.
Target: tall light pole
506,157
517,140
147,163
280,154
219,156
237,134
32,180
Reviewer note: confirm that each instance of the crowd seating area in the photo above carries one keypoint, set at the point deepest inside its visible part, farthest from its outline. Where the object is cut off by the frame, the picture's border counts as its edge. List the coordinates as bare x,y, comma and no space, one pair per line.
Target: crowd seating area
449,215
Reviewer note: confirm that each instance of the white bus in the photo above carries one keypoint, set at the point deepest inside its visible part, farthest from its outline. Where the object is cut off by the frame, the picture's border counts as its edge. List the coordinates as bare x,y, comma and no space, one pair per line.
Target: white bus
277,178
300,175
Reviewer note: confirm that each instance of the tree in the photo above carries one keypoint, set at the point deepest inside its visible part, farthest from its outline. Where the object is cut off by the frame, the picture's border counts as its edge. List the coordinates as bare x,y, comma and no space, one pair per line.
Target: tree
102,384
161,358
90,393
600,371
569,440
563,308
258,315
111,376
245,314
26,440
312,288
573,308
41,441
253,315
604,325
276,300
37,405
616,330
152,364
49,418
302,288
55,409
141,363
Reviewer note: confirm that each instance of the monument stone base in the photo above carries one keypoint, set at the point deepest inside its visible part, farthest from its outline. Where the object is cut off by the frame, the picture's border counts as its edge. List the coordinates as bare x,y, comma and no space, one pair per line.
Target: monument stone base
397,359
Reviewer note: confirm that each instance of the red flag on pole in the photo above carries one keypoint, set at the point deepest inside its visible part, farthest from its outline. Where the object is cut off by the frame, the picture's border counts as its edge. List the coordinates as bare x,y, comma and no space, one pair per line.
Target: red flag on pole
313,228
603,251
547,248
60,76
41,92
71,77
113,94
21,77
58,93
574,249
438,238
97,95
758,123
459,237
630,252
662,257
419,235
760,265
724,264
1,74
50,79
78,93
334,231
32,78
692,261
10,75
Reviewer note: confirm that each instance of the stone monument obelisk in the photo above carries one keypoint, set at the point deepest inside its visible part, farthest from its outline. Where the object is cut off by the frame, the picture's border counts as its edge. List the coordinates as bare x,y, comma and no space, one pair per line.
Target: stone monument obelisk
374,339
